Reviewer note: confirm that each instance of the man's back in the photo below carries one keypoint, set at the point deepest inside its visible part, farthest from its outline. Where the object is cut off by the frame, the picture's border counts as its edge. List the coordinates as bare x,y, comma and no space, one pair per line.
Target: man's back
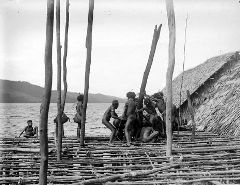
131,107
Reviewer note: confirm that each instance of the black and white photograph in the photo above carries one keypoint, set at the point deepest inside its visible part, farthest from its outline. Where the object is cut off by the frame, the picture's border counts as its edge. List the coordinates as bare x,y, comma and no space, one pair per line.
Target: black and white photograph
119,92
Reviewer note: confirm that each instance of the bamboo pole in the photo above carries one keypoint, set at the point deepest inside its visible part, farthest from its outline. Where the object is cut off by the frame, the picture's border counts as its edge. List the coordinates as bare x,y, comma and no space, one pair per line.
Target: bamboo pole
127,175
191,112
43,125
171,63
59,136
65,57
87,69
183,67
156,35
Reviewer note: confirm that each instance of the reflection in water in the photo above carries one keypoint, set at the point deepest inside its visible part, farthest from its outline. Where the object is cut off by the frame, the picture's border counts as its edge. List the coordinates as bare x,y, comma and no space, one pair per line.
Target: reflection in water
14,116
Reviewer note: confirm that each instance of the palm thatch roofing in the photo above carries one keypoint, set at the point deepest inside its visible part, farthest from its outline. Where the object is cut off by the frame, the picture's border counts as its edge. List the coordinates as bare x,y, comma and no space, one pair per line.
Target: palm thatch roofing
220,112
195,78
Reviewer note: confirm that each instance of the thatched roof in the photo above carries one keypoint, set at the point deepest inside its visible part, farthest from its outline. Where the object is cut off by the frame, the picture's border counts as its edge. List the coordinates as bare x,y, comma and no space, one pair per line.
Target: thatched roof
220,112
194,78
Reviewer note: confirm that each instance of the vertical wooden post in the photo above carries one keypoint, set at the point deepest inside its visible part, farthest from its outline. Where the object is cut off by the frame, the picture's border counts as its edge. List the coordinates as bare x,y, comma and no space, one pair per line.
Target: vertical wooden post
43,125
65,57
171,63
59,119
36,132
156,35
184,57
191,112
87,69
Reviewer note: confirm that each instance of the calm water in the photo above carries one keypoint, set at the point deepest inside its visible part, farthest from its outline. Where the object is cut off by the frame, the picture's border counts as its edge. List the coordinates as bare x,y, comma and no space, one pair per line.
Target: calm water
14,116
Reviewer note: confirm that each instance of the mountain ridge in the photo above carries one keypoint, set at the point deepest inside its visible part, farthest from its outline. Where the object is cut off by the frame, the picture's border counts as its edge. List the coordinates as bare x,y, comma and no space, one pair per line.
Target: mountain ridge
25,92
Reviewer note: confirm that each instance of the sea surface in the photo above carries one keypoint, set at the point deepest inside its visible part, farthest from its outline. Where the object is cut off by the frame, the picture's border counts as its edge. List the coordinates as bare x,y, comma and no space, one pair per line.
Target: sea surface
14,116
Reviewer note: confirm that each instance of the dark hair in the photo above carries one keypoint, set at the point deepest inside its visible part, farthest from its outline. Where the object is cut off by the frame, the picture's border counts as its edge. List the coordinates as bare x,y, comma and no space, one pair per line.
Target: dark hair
158,95
29,121
115,102
131,95
147,101
80,97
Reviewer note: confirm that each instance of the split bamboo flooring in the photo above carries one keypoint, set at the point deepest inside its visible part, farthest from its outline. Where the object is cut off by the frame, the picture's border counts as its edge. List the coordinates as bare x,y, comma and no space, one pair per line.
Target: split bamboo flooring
210,159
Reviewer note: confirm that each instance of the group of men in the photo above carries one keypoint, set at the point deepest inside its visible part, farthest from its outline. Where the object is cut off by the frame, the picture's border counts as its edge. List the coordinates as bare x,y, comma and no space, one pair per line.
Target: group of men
144,124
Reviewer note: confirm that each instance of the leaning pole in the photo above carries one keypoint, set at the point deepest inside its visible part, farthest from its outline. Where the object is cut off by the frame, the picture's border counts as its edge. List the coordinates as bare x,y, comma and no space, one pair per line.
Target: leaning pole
43,125
156,35
87,69
170,69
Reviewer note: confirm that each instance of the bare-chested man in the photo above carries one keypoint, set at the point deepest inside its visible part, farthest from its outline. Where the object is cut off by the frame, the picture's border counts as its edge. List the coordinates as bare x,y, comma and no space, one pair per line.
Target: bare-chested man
148,134
110,113
161,105
130,115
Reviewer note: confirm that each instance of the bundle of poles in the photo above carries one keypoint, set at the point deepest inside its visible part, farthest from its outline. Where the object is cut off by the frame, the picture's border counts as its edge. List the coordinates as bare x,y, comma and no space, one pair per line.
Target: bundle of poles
61,100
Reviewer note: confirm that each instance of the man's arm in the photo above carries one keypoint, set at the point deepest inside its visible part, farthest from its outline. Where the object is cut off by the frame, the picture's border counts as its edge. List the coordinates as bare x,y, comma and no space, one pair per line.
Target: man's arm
124,115
114,114
22,132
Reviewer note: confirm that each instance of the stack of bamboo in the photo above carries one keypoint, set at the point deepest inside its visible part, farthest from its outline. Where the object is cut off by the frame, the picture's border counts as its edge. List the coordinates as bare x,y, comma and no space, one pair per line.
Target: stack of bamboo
208,158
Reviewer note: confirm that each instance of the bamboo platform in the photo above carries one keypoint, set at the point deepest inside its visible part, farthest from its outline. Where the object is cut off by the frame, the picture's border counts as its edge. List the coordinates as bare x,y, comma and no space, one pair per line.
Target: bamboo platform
210,159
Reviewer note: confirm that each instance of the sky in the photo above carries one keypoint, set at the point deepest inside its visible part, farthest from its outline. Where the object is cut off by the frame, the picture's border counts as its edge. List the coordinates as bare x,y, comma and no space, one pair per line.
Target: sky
122,36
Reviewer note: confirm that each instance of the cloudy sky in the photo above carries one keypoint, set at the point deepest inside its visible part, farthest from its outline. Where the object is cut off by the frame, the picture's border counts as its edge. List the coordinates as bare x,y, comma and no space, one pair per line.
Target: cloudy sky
122,35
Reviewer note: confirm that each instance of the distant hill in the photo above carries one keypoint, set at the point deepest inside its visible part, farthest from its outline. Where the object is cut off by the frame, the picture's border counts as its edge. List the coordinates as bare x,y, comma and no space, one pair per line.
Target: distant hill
24,92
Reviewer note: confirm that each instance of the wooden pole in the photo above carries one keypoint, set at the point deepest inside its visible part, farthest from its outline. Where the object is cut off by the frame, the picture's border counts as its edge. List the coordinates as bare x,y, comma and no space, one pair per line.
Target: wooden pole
191,112
184,58
171,63
59,119
43,125
65,57
156,35
87,69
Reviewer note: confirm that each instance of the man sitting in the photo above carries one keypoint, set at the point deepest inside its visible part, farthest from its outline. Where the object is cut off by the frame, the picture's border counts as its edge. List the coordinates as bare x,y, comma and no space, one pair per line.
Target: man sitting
29,130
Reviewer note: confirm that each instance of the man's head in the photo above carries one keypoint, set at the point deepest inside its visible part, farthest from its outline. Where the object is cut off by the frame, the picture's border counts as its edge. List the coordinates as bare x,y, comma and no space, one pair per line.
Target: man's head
147,101
131,95
80,97
158,95
115,104
29,122
157,124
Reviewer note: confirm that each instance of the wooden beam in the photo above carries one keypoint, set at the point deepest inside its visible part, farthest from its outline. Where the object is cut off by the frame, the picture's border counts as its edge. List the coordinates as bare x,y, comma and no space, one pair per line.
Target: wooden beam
87,69
59,75
191,112
65,57
156,35
140,173
171,63
43,125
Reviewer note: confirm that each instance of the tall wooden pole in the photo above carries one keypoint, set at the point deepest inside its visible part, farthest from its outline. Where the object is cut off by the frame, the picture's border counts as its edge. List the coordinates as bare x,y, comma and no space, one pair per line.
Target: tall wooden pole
191,112
65,57
87,69
59,136
43,125
156,35
171,63
184,58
